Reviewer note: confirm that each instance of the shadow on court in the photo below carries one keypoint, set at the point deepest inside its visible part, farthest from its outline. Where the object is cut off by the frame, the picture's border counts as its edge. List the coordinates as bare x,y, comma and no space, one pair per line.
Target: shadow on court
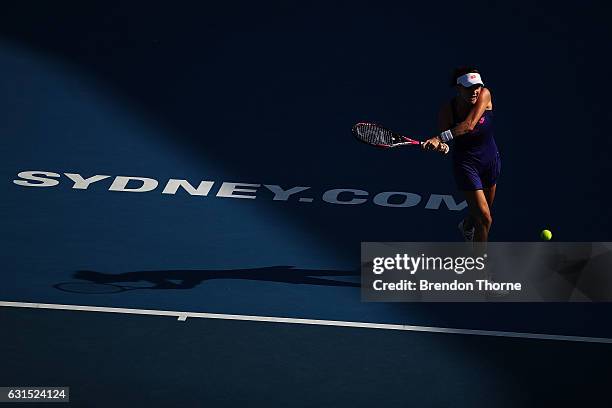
189,279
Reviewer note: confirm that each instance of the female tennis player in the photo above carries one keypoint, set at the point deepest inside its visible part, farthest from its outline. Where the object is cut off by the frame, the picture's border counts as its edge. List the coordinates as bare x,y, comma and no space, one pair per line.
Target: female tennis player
468,120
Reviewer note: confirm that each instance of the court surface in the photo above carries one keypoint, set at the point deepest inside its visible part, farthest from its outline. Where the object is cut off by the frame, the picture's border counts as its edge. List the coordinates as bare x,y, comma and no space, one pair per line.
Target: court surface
183,203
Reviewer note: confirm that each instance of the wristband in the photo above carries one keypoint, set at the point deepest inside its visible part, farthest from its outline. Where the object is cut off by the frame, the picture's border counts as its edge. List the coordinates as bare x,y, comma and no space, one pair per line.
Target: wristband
446,136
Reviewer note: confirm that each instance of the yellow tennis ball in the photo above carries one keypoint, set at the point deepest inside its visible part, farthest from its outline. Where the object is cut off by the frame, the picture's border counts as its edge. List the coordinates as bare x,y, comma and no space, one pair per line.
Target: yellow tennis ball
546,235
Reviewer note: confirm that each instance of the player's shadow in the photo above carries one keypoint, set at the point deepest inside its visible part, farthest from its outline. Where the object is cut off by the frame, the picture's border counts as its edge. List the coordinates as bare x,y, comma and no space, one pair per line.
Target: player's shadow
188,279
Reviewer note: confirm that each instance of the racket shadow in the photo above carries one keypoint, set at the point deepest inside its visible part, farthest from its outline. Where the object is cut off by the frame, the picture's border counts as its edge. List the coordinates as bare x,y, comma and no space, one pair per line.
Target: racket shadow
94,288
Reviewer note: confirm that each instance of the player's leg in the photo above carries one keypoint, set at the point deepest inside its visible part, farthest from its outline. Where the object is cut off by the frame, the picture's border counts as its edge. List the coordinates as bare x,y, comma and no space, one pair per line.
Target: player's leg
468,181
480,214
489,180
486,179
489,193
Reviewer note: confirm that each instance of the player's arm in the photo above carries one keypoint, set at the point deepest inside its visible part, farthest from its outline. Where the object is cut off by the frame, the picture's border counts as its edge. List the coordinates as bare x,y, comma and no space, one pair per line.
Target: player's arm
484,99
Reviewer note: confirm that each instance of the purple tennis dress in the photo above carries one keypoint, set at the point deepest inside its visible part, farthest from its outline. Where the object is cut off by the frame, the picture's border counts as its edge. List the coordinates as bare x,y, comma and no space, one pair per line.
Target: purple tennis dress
476,160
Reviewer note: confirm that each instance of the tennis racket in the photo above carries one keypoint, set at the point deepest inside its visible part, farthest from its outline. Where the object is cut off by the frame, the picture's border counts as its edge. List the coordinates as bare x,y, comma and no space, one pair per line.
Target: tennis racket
378,136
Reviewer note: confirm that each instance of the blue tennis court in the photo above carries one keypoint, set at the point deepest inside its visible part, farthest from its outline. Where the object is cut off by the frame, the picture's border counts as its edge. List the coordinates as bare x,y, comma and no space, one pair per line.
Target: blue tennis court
183,202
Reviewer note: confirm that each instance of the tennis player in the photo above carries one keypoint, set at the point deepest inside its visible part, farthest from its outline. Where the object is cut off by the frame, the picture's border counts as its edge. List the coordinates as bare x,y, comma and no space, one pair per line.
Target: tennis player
468,120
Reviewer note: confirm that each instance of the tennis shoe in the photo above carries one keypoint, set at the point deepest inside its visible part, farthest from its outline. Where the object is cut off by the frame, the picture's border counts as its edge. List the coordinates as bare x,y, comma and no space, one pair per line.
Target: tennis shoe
468,234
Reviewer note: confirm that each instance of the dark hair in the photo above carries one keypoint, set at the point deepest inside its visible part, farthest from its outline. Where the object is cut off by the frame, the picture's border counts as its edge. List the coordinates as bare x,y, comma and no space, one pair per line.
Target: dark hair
460,71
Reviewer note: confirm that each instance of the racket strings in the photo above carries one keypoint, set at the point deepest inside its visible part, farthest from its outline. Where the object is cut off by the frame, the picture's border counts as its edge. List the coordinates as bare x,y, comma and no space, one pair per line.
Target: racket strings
376,135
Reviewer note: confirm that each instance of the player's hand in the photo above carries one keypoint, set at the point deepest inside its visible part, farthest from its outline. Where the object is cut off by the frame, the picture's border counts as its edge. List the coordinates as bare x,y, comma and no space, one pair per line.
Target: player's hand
436,144
432,144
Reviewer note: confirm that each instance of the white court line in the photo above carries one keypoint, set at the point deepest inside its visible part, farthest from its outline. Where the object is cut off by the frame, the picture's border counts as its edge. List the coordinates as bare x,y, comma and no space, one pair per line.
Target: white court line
182,316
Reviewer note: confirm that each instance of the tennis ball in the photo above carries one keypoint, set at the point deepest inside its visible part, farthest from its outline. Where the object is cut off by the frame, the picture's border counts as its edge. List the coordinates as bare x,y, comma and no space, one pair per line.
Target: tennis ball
546,235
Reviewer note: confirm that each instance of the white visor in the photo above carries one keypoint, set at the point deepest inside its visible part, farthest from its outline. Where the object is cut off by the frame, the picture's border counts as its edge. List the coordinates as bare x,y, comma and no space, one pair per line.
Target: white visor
470,79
